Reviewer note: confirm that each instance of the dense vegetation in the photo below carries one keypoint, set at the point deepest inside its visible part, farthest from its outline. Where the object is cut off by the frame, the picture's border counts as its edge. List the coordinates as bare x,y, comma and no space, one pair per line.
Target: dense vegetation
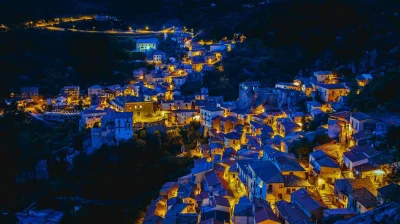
304,147
52,60
131,173
382,94
254,61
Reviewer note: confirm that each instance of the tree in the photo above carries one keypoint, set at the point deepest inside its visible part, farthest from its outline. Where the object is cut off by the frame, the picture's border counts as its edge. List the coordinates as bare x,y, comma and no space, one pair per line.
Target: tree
143,134
80,105
382,93
141,145
57,167
137,56
77,142
321,139
174,136
156,139
302,148
393,137
306,122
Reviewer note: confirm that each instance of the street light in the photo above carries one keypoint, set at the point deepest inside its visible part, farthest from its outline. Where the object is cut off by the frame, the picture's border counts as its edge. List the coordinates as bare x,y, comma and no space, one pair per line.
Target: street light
147,28
94,28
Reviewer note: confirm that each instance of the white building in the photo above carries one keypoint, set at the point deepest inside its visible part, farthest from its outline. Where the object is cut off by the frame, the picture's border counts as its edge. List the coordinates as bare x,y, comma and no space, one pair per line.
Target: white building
332,92
61,101
115,127
178,80
159,56
147,44
218,47
360,121
90,117
188,67
95,90
321,76
208,114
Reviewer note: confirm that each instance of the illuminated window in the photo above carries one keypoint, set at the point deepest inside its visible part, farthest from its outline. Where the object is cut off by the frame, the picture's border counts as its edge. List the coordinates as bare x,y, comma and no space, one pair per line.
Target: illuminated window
135,107
140,106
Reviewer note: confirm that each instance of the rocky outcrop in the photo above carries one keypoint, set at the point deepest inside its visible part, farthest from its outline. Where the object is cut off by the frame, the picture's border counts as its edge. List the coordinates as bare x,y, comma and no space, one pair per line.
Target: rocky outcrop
251,100
387,213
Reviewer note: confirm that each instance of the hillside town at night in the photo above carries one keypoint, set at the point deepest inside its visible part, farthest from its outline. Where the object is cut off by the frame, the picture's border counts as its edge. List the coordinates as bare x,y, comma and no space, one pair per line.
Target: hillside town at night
293,153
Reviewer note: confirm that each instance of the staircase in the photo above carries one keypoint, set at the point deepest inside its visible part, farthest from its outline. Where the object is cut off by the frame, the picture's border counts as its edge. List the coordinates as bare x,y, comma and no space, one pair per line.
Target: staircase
326,200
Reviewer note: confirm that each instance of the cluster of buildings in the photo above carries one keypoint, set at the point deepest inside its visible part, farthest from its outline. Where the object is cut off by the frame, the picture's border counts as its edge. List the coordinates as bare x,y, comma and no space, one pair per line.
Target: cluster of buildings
249,173
151,98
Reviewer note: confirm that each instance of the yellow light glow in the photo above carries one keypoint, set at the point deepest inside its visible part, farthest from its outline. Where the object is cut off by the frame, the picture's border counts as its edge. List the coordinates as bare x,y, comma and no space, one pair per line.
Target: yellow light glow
320,181
379,172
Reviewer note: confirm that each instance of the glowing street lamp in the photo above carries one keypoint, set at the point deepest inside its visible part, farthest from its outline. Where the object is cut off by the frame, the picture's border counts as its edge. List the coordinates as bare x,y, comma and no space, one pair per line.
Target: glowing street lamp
147,28
94,28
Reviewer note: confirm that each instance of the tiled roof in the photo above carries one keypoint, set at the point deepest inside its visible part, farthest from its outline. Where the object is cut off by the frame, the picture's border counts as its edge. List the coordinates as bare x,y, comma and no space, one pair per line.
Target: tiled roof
291,212
332,86
365,149
251,154
295,181
202,167
288,164
354,157
187,218
256,124
90,111
390,190
229,118
159,53
365,197
216,145
244,207
303,197
339,211
322,72
267,172
202,195
290,124
173,201
362,134
211,221
233,135
365,167
217,215
360,116
147,40
323,159
211,109
220,200
264,213
212,178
